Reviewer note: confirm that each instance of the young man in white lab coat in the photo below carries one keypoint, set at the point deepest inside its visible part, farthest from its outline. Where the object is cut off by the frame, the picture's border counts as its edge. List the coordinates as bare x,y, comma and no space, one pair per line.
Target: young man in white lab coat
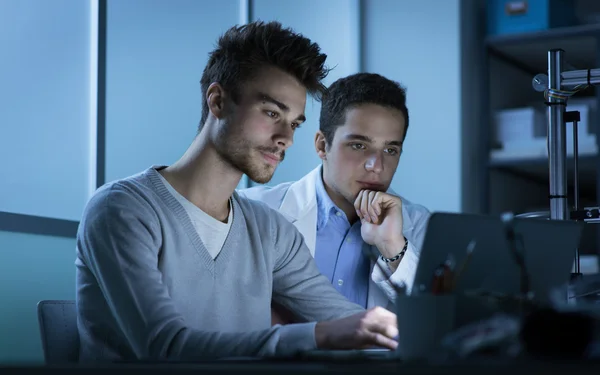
345,208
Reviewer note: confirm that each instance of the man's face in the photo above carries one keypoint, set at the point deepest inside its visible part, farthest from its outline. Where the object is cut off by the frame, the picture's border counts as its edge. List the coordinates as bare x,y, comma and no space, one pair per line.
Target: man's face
261,126
365,151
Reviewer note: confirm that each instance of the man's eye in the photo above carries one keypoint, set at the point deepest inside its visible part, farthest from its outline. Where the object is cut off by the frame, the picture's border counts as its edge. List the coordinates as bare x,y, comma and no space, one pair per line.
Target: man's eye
392,151
357,146
295,125
272,114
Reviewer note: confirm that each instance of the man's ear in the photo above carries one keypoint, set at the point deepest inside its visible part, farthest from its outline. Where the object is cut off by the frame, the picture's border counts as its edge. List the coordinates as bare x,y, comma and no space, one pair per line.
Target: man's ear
321,145
215,97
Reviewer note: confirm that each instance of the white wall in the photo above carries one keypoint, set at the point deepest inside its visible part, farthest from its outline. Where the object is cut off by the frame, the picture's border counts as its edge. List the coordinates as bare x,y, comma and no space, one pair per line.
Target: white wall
156,52
418,44
45,114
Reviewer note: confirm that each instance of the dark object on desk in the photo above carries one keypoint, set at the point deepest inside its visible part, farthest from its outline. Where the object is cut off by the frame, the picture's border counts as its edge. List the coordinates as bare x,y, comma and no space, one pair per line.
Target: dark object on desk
547,333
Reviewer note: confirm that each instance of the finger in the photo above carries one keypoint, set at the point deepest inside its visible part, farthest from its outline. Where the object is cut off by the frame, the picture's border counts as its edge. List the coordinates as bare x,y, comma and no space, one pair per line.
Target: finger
386,326
376,205
378,313
381,320
384,332
380,327
380,317
391,331
364,206
371,206
357,204
380,340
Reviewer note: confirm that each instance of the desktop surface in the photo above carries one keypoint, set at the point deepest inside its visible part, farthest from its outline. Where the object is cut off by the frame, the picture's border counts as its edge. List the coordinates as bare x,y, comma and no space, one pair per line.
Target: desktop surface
490,366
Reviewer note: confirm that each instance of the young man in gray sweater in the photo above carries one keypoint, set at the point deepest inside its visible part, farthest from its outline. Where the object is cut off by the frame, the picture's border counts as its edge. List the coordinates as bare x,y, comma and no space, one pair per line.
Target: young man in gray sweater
173,264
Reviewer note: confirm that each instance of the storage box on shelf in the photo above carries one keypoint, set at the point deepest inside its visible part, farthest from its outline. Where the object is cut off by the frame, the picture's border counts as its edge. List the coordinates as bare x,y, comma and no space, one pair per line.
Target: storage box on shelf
521,132
510,16
518,125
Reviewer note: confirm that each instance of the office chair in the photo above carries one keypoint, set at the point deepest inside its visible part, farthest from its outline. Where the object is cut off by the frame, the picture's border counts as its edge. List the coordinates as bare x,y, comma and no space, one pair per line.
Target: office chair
58,331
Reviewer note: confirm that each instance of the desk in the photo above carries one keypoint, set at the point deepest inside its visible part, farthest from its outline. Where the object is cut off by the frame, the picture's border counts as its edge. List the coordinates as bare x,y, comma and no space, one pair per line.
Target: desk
322,367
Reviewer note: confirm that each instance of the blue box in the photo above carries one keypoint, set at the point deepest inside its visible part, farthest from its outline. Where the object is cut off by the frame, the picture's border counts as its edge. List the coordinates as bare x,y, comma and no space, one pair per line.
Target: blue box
511,16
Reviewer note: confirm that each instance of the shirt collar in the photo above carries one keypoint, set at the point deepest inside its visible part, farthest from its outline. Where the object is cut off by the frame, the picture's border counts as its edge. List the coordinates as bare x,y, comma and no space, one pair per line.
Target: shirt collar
325,206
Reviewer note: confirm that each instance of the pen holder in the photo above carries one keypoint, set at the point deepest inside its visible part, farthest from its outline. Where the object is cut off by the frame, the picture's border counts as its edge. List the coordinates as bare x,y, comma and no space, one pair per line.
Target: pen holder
423,321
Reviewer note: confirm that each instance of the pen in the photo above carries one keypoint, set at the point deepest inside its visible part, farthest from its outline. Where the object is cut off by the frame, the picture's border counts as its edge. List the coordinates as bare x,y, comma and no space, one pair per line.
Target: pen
448,278
437,284
465,263
442,278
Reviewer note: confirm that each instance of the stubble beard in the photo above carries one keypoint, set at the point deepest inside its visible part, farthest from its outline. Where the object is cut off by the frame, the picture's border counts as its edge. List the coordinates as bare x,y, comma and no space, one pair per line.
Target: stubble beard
242,155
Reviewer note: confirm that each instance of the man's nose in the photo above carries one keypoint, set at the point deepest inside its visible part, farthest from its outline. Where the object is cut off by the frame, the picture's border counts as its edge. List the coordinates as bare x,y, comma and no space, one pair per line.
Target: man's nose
284,136
374,163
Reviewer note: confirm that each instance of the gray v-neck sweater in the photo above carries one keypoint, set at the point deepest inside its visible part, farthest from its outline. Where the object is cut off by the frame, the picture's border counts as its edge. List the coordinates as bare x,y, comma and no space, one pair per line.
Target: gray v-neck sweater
148,289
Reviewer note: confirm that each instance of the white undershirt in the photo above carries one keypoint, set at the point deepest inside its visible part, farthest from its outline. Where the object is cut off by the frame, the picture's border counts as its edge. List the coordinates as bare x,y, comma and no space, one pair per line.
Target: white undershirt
211,231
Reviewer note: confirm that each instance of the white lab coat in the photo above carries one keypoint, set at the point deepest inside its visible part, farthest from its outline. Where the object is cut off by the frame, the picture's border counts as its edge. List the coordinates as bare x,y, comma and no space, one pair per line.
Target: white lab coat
297,201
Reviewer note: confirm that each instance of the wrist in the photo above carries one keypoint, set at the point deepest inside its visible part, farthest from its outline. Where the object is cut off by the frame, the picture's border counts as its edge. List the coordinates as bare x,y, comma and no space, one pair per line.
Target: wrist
393,252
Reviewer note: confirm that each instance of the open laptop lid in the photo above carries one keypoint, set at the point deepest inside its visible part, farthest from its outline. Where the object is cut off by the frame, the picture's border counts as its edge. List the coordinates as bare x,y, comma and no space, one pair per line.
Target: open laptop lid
549,252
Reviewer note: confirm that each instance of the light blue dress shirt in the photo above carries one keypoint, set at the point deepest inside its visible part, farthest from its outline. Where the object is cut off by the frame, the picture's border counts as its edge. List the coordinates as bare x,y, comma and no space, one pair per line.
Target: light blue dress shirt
338,253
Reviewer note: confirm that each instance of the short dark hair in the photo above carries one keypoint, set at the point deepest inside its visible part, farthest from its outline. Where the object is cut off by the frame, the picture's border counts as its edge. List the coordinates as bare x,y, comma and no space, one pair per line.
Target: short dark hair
354,90
242,50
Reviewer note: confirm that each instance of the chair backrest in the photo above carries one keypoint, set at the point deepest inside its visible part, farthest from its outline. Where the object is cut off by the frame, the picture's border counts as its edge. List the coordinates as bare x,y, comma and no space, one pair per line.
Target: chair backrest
58,331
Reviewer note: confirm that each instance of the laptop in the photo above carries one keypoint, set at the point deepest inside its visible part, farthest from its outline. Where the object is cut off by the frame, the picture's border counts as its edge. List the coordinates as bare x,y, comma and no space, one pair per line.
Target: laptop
548,246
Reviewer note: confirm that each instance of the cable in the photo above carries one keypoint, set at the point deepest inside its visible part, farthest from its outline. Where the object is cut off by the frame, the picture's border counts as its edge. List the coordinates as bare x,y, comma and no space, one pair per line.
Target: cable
563,95
596,291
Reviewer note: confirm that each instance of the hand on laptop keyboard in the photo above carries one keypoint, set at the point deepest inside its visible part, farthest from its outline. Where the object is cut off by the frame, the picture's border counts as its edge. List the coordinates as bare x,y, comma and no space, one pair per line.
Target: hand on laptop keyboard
374,327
